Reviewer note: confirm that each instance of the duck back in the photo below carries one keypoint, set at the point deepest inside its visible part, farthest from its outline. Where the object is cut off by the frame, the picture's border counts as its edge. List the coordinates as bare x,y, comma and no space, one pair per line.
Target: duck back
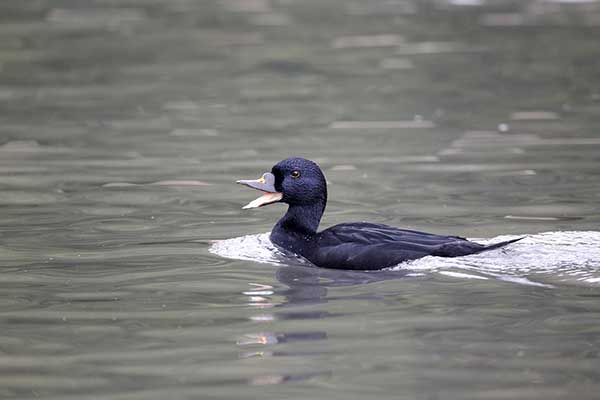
368,246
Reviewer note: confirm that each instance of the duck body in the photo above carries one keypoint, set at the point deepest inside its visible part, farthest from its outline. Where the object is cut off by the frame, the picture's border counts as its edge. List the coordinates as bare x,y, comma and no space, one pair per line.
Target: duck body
353,246
368,246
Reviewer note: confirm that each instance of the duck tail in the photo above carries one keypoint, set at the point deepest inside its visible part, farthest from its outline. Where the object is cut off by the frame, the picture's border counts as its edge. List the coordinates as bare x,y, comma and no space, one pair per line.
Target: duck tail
500,244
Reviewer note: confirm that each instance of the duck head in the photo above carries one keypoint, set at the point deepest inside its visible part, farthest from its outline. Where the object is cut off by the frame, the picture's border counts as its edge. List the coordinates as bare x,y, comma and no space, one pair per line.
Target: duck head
295,181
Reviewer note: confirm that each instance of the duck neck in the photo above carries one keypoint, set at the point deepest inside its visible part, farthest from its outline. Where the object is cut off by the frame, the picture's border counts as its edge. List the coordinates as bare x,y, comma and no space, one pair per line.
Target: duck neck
301,219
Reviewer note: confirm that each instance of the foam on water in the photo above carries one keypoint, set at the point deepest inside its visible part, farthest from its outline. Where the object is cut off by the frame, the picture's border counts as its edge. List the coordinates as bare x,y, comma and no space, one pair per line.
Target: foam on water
542,259
257,248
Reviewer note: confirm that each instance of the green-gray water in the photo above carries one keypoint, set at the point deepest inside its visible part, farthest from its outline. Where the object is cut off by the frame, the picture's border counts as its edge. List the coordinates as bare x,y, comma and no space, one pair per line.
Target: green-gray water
124,125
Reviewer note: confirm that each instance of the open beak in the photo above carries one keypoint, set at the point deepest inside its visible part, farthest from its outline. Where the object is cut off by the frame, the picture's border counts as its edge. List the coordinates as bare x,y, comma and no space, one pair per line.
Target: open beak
265,183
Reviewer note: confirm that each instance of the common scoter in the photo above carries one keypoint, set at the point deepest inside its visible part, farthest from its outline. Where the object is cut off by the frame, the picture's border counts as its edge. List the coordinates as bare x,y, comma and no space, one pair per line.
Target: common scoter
300,183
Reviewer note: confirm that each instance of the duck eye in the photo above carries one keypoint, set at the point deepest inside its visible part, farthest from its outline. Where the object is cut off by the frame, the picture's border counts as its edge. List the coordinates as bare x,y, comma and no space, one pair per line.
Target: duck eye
295,174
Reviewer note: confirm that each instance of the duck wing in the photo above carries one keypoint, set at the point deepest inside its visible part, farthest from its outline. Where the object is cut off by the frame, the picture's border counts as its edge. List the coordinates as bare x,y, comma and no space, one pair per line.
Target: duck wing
368,246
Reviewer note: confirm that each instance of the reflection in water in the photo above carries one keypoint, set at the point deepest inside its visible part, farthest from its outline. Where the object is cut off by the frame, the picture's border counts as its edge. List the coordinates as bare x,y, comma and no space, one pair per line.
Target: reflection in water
308,285
303,286
261,297
277,379
275,338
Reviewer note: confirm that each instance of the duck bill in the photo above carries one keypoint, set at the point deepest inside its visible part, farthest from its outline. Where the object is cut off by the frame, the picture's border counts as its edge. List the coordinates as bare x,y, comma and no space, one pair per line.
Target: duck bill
265,183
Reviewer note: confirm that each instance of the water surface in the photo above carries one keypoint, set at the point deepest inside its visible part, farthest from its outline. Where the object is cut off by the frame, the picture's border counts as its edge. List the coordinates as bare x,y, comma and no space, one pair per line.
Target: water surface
123,125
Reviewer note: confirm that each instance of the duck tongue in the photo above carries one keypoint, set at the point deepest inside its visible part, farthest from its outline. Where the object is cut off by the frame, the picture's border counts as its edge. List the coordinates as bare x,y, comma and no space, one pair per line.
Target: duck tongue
263,200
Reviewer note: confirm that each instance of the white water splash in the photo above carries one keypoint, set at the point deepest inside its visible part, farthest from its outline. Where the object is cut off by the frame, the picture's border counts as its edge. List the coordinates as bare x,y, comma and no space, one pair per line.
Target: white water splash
542,259
257,248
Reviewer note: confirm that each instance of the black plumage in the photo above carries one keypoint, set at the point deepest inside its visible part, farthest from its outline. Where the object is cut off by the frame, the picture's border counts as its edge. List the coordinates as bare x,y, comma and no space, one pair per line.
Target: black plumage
356,246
